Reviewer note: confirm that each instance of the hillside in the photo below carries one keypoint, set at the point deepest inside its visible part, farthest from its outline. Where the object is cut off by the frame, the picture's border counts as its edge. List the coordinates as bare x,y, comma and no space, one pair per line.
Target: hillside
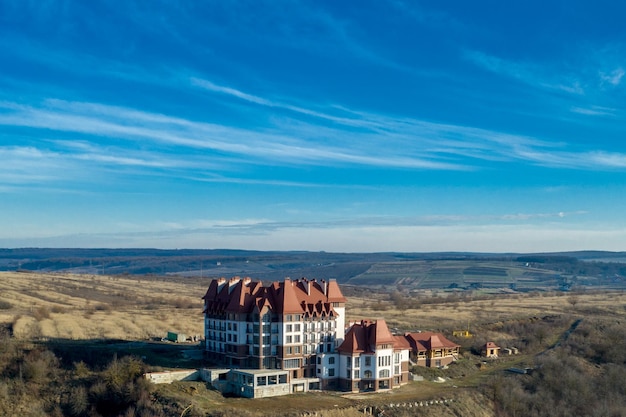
407,271
73,344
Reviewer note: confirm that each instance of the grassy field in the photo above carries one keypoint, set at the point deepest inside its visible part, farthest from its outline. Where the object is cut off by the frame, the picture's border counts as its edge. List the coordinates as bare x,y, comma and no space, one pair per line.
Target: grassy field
79,307
97,307
449,311
108,315
420,275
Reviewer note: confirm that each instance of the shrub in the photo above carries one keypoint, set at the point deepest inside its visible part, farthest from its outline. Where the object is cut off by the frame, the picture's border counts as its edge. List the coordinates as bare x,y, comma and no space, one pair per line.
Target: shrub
58,309
41,313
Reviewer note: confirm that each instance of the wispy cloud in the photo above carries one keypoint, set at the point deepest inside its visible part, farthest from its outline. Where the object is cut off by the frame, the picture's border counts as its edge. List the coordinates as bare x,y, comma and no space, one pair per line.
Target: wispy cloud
594,111
614,77
528,73
300,136
519,233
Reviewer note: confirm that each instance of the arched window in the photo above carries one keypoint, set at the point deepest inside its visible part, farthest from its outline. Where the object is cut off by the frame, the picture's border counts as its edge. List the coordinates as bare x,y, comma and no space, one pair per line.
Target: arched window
384,373
367,374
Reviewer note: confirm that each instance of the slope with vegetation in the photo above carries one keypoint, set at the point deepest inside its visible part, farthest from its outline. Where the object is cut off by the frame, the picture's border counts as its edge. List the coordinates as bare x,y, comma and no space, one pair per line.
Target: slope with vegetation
574,343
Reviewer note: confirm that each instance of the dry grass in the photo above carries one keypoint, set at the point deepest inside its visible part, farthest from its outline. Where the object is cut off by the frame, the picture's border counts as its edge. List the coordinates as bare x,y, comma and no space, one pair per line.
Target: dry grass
94,307
129,308
448,314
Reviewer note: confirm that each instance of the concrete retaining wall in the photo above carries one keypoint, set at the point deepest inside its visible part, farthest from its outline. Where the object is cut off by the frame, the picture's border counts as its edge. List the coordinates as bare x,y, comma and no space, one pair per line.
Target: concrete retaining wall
168,377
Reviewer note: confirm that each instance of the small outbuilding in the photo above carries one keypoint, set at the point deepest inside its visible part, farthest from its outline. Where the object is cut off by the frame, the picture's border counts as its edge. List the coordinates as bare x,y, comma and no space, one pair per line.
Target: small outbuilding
176,337
490,350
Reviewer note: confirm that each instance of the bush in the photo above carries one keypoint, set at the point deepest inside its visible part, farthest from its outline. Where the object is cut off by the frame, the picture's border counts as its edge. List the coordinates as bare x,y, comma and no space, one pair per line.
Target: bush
41,313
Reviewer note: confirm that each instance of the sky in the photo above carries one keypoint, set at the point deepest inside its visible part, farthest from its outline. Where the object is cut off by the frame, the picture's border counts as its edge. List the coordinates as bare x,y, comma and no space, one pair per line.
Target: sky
370,126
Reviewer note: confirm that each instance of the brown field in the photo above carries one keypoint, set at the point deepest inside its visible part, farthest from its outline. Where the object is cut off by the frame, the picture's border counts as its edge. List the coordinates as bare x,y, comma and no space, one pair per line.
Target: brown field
98,307
80,307
93,307
449,311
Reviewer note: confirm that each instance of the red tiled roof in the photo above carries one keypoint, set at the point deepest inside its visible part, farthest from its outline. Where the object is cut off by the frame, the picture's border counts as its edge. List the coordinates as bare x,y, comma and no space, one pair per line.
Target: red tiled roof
381,333
355,341
334,293
400,342
425,341
365,336
491,345
308,297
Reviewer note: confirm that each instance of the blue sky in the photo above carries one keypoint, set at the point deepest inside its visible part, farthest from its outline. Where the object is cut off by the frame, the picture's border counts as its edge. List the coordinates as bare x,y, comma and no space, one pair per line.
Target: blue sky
322,125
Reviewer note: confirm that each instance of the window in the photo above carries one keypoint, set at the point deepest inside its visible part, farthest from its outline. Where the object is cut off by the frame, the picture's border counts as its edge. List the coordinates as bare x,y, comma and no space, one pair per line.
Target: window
288,339
368,361
356,374
319,360
331,372
396,370
288,317
297,327
235,326
331,360
367,374
384,373
297,338
396,358
291,363
384,360
288,328
357,362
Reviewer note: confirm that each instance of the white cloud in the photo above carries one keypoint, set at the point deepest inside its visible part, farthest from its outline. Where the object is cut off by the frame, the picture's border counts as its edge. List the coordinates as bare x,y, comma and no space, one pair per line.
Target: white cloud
594,111
614,77
333,136
484,238
526,72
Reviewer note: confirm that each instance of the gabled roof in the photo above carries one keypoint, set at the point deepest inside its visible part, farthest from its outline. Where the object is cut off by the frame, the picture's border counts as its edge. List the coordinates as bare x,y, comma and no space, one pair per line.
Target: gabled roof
425,341
400,343
303,296
287,301
355,341
491,345
334,293
381,334
364,336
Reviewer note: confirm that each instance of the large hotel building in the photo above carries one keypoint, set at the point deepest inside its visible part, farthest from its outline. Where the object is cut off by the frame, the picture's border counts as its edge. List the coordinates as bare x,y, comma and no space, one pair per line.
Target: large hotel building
299,327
